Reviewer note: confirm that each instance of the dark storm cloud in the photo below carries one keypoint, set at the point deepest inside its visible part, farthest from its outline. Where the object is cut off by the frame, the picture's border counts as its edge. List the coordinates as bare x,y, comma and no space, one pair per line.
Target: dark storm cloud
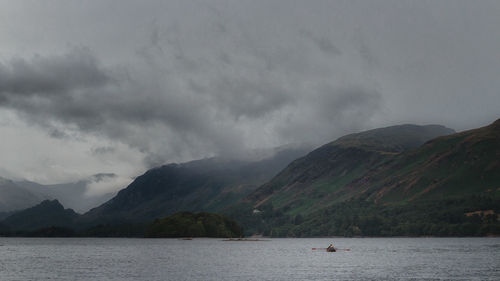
75,91
50,75
179,99
66,89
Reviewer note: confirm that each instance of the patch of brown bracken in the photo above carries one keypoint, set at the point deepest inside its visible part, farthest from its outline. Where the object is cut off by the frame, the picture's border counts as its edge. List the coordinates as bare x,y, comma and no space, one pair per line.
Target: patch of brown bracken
480,213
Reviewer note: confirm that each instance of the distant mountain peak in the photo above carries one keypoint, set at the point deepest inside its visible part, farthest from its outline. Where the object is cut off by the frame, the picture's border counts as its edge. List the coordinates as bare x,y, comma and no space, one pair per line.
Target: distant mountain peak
47,213
50,204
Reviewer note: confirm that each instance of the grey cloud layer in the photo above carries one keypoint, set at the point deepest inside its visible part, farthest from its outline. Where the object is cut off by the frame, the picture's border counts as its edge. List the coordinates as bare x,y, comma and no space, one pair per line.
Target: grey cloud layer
191,79
177,101
50,75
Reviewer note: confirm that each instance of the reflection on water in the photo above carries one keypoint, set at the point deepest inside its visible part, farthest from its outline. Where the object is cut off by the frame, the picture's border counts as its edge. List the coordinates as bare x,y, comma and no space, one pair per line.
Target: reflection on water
277,259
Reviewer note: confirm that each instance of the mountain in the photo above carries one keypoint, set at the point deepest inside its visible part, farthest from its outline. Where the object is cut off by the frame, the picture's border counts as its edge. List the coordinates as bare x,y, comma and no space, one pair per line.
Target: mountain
19,195
202,185
15,197
46,214
3,215
448,186
73,195
453,166
315,180
403,180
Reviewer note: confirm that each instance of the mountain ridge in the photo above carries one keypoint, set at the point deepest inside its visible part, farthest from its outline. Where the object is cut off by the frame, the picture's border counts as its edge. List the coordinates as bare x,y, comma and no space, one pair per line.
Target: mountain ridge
200,185
14,197
449,185
313,178
398,180
49,213
478,149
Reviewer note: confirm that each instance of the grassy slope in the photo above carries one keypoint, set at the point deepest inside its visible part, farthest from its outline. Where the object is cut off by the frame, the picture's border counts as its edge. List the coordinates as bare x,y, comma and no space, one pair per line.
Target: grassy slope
425,191
458,165
319,179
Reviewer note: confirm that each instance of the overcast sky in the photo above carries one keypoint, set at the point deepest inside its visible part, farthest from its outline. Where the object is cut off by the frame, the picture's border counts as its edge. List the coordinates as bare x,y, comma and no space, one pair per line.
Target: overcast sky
120,86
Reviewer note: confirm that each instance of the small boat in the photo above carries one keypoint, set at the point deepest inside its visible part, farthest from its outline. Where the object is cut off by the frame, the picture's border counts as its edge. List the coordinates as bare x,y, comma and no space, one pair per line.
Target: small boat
331,250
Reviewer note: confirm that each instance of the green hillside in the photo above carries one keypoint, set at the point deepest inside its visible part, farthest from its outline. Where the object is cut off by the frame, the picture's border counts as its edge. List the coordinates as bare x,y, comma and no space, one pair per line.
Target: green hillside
454,166
318,179
448,186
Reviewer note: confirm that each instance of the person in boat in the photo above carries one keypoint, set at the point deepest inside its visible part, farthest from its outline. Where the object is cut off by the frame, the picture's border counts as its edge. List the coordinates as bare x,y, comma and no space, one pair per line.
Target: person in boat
331,248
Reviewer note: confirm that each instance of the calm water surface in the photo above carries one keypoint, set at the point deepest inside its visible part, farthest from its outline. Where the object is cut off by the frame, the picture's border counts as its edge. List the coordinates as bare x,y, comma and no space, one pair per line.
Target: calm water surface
277,259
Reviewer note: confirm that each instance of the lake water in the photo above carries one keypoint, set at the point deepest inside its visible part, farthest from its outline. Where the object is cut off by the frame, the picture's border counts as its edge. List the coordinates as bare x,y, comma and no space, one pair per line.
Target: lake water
277,259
